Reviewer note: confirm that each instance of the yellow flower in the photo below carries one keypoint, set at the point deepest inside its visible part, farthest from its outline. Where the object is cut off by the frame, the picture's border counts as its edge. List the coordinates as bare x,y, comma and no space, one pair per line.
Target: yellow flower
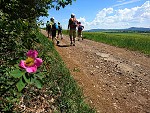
29,61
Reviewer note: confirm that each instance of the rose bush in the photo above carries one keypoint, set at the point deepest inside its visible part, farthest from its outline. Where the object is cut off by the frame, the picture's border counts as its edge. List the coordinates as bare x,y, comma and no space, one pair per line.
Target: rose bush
28,74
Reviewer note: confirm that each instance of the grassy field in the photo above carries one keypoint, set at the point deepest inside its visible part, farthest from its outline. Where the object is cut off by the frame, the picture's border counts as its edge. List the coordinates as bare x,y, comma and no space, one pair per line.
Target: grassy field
133,41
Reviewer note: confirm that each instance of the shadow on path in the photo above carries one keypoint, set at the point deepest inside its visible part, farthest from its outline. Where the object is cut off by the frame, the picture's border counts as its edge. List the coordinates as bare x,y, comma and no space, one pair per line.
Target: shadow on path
63,45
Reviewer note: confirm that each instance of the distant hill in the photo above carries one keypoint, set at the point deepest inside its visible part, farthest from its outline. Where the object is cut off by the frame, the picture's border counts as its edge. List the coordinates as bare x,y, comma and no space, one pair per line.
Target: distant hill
131,29
138,29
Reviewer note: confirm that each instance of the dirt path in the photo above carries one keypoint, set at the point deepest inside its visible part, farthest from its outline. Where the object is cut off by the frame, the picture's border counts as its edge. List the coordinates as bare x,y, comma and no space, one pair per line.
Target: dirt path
114,80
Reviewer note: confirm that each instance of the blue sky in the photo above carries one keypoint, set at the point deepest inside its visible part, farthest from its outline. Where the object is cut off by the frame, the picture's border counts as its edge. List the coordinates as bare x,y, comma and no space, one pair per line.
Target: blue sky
104,14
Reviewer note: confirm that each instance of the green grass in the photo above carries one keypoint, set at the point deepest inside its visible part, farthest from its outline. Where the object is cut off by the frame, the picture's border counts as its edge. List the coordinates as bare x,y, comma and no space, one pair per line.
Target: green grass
132,41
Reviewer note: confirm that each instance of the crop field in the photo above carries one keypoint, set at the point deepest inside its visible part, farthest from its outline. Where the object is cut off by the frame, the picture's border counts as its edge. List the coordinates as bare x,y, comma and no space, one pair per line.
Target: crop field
133,41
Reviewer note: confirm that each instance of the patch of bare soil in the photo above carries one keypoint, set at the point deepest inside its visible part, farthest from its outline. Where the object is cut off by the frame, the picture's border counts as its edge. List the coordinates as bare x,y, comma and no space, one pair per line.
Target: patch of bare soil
114,80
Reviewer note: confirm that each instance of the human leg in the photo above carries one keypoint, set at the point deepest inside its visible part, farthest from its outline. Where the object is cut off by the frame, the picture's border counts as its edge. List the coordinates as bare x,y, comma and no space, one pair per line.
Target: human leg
54,37
61,35
78,35
48,33
81,35
74,36
70,35
58,34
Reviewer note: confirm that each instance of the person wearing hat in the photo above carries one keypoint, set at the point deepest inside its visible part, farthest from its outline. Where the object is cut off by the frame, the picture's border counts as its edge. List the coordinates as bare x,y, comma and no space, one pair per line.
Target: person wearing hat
72,24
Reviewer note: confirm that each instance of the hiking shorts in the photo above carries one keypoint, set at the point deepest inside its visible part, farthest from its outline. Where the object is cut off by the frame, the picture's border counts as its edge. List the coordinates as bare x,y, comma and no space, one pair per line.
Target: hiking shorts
53,33
72,32
79,33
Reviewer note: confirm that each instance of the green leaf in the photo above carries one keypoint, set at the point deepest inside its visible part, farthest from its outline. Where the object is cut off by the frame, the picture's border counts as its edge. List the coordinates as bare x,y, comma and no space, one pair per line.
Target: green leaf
40,75
32,80
27,80
20,85
16,66
38,83
16,73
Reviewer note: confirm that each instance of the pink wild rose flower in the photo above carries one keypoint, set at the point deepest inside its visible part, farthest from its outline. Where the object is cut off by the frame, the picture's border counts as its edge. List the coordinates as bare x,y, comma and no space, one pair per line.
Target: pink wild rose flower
32,62
32,53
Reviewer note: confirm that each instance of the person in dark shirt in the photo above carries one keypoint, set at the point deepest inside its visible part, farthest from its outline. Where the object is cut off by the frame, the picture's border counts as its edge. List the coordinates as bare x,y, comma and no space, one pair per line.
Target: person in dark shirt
80,28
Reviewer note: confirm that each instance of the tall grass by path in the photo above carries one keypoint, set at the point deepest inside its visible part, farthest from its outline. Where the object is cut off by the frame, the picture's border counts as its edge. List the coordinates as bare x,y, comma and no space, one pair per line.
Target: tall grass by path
60,81
132,41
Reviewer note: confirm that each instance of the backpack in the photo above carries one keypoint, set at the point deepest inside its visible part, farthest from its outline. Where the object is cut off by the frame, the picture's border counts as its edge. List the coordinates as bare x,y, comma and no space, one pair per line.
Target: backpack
80,27
73,22
55,26
48,26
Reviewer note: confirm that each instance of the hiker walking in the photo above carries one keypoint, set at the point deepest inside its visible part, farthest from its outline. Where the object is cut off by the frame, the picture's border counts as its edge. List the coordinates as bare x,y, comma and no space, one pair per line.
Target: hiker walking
54,28
59,31
72,24
48,28
80,28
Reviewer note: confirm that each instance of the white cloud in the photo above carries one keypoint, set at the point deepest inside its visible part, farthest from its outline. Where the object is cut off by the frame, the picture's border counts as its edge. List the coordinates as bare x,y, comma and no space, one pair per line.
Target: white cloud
82,20
146,6
120,0
125,3
121,18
